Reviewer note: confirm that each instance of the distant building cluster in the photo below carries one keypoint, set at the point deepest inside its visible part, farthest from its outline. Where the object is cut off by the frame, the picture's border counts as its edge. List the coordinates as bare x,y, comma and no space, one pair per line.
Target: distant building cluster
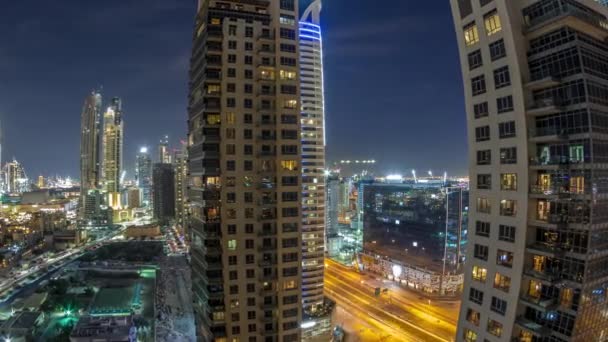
106,197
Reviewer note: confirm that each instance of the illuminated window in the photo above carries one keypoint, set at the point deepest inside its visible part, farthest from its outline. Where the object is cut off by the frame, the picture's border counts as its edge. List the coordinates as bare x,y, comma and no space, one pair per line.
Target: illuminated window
216,21
494,327
218,315
230,118
534,289
473,316
267,75
577,185
469,335
213,89
287,19
508,207
290,165
287,75
504,258
290,104
232,245
213,119
288,285
483,205
479,273
471,35
492,22
502,282
508,181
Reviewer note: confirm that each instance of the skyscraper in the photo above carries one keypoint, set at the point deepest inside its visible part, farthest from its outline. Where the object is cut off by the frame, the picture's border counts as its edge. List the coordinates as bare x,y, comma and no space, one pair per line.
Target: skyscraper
313,157
143,175
535,87
15,178
164,154
112,152
181,184
89,145
244,148
163,192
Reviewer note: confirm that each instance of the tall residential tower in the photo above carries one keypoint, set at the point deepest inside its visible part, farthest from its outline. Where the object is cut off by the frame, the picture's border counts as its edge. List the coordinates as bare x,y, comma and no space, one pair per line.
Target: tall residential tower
143,175
112,152
313,159
245,171
90,125
536,88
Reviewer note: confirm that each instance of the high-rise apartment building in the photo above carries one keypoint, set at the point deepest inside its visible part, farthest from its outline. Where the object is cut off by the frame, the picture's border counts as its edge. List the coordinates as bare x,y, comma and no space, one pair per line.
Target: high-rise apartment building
180,166
164,154
536,89
244,149
313,159
112,152
143,175
90,127
163,192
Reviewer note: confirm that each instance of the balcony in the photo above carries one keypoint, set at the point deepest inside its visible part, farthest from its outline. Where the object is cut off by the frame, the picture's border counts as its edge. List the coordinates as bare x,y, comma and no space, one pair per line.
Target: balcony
266,185
545,107
546,275
560,192
266,123
550,134
267,232
532,326
268,306
267,248
578,17
267,154
561,162
547,249
268,277
267,262
542,80
266,37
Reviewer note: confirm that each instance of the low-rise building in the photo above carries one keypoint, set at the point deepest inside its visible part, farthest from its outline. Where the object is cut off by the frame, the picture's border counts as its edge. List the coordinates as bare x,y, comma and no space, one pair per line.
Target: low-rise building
103,329
145,231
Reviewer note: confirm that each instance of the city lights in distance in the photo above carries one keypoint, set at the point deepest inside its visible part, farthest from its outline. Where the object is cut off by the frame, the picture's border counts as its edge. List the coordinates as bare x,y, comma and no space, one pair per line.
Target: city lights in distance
143,150
358,161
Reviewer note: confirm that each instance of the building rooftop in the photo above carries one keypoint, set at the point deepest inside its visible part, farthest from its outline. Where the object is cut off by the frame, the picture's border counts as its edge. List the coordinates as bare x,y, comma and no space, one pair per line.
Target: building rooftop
103,328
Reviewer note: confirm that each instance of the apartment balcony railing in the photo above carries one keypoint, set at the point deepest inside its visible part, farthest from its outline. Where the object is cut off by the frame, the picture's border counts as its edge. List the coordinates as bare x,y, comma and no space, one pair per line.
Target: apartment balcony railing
579,15
532,326
546,107
267,248
552,276
559,133
562,192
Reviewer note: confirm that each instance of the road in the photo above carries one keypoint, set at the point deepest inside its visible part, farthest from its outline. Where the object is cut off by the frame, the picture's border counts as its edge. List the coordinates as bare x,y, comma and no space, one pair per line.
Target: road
58,261
398,315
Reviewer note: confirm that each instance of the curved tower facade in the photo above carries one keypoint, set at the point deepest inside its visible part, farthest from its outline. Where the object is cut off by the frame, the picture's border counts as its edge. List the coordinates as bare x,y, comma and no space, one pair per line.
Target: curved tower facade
536,90
313,157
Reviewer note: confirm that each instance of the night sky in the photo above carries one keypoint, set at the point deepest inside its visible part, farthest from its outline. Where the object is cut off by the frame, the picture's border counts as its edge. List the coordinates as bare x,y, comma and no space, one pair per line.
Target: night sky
392,79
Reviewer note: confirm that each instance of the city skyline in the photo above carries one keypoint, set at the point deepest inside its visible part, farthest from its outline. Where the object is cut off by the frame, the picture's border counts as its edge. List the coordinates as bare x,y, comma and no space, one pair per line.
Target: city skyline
156,104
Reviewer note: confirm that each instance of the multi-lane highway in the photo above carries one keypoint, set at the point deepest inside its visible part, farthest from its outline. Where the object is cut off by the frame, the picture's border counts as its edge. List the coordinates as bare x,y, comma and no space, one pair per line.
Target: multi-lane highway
395,315
42,265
